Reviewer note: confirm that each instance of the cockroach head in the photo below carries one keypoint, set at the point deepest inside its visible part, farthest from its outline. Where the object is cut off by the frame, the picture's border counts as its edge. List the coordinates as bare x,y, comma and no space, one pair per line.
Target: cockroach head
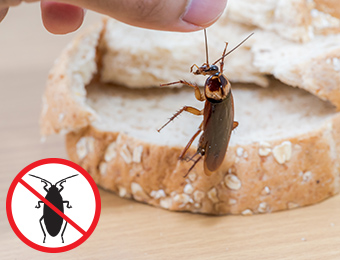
217,88
53,188
205,69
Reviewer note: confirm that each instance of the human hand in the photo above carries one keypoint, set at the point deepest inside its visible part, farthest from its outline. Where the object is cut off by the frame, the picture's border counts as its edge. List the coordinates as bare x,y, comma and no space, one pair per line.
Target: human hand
64,16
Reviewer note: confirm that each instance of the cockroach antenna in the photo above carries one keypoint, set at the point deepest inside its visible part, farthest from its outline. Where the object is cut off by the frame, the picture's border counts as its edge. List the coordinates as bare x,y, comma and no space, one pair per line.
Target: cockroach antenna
238,45
43,180
65,179
206,46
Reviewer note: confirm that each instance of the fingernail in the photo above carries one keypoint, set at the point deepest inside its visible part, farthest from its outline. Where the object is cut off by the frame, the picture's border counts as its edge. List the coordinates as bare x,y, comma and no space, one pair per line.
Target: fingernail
203,12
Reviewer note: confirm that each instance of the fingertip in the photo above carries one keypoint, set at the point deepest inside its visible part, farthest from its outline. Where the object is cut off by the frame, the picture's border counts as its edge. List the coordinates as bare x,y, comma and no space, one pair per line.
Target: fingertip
181,16
59,18
202,13
3,13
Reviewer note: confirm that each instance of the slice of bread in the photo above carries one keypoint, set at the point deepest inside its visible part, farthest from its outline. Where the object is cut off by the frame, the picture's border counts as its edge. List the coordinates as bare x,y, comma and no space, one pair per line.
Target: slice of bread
294,20
137,57
284,154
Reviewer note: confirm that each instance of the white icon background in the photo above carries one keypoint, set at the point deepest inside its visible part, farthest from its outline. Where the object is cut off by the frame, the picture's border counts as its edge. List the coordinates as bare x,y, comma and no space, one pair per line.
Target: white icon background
76,190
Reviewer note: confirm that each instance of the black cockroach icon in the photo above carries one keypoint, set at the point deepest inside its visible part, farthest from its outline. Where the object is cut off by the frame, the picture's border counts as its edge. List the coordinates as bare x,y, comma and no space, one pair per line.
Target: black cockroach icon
53,222
218,113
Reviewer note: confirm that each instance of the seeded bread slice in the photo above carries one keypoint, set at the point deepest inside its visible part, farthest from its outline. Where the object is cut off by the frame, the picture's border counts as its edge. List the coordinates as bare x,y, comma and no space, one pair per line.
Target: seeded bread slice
284,154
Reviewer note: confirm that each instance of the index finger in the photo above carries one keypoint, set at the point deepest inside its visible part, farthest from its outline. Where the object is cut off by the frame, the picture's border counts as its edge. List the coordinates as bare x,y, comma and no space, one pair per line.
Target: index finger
9,3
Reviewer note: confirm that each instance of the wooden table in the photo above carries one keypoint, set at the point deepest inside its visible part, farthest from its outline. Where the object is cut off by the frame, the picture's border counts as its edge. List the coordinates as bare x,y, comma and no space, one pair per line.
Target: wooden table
127,229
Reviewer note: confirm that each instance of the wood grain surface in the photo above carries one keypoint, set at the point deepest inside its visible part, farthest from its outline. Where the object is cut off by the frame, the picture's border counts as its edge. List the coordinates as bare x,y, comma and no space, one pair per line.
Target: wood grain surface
127,229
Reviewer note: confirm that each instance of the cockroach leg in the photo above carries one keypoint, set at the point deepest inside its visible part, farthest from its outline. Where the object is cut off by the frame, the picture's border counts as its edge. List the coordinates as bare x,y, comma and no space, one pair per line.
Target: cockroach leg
181,157
235,124
192,166
190,159
194,66
62,233
197,67
191,110
223,55
171,83
198,94
42,228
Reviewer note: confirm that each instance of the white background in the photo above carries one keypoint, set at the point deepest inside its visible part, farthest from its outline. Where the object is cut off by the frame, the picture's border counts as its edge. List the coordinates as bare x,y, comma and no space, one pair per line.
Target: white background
76,190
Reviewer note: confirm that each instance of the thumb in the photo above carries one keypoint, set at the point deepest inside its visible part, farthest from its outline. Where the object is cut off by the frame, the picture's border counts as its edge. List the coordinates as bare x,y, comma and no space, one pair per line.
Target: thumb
169,15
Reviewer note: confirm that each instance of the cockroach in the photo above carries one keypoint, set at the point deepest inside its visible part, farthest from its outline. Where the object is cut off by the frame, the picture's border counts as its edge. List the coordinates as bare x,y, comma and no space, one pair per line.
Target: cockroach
53,222
218,113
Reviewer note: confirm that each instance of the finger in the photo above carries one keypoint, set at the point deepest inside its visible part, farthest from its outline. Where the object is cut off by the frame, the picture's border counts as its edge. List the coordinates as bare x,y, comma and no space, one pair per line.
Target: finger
3,13
60,18
170,15
9,3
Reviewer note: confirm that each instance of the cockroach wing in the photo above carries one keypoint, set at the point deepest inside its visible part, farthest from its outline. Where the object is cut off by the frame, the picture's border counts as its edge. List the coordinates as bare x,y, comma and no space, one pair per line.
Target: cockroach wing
217,126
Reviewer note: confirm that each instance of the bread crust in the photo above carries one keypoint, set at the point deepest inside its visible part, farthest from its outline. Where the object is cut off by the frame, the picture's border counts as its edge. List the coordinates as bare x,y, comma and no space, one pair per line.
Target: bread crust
294,20
63,103
313,66
330,7
246,183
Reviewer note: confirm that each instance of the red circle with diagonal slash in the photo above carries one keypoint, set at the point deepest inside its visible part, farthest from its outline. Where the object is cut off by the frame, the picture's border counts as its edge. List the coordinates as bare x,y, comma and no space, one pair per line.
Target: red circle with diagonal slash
18,179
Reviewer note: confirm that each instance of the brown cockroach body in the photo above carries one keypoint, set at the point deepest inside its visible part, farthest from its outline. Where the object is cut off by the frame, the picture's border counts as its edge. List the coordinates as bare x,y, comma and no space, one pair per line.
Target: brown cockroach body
218,114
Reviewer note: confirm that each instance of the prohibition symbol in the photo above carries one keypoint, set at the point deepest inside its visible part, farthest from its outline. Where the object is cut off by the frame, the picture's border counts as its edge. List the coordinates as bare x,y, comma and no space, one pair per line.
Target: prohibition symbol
53,205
